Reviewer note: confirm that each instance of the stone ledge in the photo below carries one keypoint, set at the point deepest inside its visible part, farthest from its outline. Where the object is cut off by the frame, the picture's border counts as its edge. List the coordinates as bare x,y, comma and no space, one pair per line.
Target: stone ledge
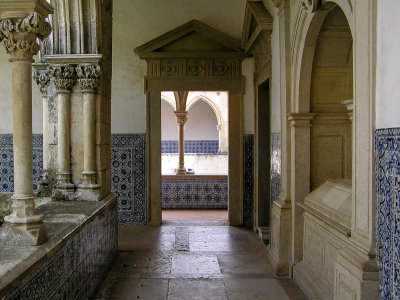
22,267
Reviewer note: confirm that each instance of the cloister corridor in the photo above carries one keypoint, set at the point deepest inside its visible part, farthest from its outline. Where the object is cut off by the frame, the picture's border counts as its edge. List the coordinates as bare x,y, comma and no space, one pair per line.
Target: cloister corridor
193,260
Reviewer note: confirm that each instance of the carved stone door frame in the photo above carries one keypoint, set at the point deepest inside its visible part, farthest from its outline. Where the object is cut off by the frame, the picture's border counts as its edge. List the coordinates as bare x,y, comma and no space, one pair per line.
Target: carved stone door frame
216,65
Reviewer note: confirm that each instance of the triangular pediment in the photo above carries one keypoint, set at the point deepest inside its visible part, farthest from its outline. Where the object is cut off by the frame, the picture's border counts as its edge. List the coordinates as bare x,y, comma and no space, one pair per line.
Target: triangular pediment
257,19
191,39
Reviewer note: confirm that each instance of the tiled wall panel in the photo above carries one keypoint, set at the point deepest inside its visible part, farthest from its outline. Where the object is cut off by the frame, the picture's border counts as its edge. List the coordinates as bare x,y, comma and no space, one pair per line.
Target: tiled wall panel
387,172
195,193
206,147
7,162
77,269
128,177
248,179
275,166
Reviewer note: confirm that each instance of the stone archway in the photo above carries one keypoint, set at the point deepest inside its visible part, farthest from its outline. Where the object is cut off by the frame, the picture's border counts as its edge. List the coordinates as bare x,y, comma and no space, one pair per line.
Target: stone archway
194,57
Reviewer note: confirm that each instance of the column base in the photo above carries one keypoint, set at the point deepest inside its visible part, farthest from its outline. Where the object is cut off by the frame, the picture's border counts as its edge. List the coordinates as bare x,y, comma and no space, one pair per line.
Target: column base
356,276
24,211
23,234
280,237
47,184
64,188
88,192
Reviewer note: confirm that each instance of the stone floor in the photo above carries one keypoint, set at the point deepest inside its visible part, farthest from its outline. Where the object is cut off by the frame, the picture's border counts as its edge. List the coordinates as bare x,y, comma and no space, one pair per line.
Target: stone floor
193,260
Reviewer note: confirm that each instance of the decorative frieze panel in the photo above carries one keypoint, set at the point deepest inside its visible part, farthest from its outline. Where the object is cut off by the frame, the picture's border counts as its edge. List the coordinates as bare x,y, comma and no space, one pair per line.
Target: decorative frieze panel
193,67
261,49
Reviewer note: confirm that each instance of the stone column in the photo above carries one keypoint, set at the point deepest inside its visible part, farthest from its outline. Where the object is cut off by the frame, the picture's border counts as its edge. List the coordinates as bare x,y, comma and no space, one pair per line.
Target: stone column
42,79
63,77
19,32
300,177
181,118
89,75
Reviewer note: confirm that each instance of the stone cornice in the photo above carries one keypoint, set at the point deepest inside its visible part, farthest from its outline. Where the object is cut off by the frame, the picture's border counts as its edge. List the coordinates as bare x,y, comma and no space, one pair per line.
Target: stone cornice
19,35
300,119
88,76
63,76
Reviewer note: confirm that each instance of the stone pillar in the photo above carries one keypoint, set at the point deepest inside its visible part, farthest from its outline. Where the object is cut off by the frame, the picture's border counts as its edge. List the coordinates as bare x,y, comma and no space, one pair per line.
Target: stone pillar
63,77
300,177
89,75
181,118
19,30
281,226
42,79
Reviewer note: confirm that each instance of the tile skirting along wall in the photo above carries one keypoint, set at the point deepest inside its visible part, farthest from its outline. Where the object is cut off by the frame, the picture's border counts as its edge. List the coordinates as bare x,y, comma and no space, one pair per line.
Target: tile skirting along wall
200,146
128,169
199,193
387,176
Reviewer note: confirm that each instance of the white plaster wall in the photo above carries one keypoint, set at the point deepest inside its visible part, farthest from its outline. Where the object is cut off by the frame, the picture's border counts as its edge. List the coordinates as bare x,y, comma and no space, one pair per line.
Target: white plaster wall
216,164
169,127
6,119
139,21
248,97
388,65
202,123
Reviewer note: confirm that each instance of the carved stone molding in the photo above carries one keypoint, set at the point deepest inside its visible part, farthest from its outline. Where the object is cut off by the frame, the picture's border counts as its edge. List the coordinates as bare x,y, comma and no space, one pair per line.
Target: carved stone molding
88,76
181,117
194,67
42,79
63,76
310,6
261,50
19,36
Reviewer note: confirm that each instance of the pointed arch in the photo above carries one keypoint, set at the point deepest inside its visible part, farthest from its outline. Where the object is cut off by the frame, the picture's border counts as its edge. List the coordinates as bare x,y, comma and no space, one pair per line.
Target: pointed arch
169,101
214,107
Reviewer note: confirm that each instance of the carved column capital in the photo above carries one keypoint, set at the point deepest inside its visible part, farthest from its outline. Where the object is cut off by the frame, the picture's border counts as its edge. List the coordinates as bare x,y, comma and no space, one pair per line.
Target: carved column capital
63,77
42,79
181,117
311,6
89,76
19,35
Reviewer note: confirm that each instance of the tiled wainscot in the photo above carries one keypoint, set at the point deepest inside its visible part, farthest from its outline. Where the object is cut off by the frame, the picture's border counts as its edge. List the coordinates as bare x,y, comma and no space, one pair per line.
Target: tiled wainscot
194,191
387,157
128,177
7,162
203,146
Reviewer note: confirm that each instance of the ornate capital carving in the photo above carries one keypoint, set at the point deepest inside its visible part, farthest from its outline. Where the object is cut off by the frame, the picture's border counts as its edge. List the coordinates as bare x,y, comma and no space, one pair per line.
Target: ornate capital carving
63,76
310,6
19,35
181,117
42,79
88,76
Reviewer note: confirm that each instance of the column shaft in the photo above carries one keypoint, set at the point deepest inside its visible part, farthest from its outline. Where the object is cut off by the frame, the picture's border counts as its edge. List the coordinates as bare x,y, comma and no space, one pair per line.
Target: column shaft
89,133
23,198
181,128
46,156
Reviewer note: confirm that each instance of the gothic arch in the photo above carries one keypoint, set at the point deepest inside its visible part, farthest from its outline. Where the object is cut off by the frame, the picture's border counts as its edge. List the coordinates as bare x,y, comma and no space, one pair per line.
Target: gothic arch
169,101
213,106
303,51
